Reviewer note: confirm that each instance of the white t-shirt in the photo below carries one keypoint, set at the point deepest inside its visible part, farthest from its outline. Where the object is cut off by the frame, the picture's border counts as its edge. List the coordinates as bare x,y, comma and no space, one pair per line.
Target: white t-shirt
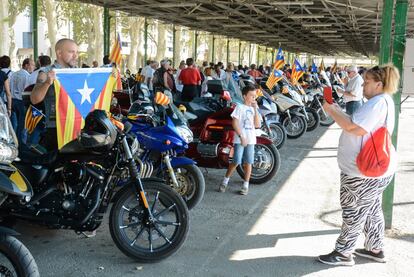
371,116
245,115
149,74
355,86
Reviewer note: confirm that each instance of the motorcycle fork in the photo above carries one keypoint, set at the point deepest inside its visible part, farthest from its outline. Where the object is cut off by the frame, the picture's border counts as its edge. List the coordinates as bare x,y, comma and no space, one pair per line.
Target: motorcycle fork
321,107
266,125
170,169
305,113
139,188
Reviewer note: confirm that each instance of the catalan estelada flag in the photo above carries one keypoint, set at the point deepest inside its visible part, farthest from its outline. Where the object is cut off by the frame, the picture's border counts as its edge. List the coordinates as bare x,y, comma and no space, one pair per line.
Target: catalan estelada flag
33,117
276,74
314,67
78,92
334,67
297,72
115,56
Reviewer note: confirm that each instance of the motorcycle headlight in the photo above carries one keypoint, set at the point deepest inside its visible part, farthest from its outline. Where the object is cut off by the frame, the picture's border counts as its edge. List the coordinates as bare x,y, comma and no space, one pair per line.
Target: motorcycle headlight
185,133
8,153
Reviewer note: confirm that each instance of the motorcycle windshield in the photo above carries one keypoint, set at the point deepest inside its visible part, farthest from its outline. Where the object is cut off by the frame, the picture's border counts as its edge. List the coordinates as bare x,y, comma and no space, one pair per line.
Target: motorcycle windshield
7,134
176,116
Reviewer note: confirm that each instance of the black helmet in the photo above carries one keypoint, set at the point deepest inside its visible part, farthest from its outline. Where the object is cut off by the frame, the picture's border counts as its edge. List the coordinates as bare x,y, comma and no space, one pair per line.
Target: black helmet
99,132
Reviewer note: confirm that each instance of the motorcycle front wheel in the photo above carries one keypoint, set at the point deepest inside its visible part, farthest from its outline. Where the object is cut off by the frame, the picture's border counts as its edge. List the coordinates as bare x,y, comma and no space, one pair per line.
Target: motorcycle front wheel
295,127
141,238
15,258
313,119
266,164
277,134
191,183
326,119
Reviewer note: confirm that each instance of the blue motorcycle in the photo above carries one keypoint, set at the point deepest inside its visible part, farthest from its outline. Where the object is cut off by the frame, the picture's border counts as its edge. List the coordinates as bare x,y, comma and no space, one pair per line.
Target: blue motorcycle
163,140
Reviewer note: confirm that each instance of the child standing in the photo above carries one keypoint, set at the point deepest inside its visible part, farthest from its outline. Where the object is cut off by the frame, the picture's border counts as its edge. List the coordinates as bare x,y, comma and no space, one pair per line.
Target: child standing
245,119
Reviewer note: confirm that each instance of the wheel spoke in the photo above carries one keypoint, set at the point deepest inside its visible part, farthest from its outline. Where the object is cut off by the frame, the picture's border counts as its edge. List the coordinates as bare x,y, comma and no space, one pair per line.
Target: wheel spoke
164,211
130,225
150,238
162,222
138,235
155,201
162,234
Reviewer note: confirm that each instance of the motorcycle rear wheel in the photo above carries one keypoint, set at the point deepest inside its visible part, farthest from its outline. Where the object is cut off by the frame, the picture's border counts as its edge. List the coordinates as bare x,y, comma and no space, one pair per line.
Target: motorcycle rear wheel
272,156
15,258
140,239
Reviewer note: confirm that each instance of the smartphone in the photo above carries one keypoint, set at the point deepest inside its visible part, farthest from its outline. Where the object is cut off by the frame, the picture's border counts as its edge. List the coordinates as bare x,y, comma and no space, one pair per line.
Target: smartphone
327,94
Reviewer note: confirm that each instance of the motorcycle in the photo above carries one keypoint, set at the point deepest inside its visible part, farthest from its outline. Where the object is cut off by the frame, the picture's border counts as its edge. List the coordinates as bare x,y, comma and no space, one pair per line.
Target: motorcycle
15,258
74,186
164,139
311,114
292,110
213,132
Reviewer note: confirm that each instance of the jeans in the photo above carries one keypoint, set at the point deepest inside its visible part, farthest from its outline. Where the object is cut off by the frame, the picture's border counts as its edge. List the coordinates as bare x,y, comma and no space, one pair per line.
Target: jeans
17,118
352,106
243,154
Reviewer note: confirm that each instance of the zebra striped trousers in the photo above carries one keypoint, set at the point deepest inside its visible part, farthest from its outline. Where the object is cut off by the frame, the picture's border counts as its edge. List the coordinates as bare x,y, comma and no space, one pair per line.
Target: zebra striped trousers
361,211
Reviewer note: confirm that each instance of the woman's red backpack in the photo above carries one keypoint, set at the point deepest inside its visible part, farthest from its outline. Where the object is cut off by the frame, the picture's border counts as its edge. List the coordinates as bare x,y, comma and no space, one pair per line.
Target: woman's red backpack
374,158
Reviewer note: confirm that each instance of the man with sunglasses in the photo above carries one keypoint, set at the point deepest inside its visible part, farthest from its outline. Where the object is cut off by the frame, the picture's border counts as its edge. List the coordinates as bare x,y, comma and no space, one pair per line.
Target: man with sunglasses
353,90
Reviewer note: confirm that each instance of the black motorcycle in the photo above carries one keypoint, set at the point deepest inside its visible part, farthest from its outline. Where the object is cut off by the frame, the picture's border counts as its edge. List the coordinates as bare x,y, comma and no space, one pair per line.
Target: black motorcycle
74,187
15,258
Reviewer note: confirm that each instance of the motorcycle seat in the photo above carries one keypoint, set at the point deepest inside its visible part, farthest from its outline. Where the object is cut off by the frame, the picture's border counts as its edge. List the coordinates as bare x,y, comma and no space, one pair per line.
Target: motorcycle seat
74,147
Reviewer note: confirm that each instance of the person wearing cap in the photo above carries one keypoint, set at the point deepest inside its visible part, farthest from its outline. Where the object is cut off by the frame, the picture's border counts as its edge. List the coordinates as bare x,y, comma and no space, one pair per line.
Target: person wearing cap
163,78
353,90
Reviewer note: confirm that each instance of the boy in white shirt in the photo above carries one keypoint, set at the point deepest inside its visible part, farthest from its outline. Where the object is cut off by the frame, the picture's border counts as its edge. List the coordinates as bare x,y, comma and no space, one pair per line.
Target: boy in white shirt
246,119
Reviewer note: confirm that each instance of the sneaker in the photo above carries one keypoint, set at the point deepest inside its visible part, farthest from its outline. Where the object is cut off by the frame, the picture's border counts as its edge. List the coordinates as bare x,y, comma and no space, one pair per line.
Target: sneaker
222,188
244,190
336,258
379,257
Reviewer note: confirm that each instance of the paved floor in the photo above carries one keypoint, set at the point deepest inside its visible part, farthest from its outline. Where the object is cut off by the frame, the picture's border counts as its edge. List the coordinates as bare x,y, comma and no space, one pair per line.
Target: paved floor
277,230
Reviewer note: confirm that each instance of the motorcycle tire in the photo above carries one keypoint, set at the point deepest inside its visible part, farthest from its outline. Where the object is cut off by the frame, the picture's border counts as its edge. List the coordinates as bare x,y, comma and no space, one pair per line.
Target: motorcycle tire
326,120
278,134
298,120
314,119
192,184
170,226
18,256
273,163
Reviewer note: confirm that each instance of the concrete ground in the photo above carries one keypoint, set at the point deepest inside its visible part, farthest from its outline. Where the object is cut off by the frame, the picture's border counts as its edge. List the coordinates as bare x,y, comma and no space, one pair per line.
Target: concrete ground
277,230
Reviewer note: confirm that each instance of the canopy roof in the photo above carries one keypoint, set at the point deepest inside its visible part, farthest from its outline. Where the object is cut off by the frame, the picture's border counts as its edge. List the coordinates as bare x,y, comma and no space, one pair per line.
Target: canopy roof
320,27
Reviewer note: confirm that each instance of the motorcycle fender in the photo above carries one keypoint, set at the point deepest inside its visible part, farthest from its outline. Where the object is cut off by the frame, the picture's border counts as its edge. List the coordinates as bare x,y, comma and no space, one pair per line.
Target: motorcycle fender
297,113
272,118
263,140
8,231
16,184
177,161
130,184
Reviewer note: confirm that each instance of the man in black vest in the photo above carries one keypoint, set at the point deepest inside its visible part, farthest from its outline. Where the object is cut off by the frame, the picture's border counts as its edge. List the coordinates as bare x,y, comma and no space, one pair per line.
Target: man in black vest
43,94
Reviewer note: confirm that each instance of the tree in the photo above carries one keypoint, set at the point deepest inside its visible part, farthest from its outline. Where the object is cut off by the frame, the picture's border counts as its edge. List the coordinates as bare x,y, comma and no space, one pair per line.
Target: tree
161,41
135,24
51,18
4,26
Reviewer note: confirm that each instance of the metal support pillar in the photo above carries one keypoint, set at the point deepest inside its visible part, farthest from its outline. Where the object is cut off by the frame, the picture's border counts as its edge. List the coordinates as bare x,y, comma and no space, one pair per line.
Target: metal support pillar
240,52
106,29
386,30
195,45
35,31
250,53
228,51
273,55
258,55
213,59
173,47
400,23
145,40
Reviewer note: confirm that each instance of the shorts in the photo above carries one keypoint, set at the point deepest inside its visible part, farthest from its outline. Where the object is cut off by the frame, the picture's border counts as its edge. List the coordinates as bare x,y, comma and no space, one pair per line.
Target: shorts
243,152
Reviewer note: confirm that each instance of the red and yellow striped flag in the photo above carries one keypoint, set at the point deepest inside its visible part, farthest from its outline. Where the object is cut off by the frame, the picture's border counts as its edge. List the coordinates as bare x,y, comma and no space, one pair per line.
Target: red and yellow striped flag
276,74
115,56
33,117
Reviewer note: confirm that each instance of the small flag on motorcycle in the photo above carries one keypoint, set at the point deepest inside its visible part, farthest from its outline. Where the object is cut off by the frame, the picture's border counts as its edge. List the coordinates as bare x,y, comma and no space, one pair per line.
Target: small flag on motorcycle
314,67
322,66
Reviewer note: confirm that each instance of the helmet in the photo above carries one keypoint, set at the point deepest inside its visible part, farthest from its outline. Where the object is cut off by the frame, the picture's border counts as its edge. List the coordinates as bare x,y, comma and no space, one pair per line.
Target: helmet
99,133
